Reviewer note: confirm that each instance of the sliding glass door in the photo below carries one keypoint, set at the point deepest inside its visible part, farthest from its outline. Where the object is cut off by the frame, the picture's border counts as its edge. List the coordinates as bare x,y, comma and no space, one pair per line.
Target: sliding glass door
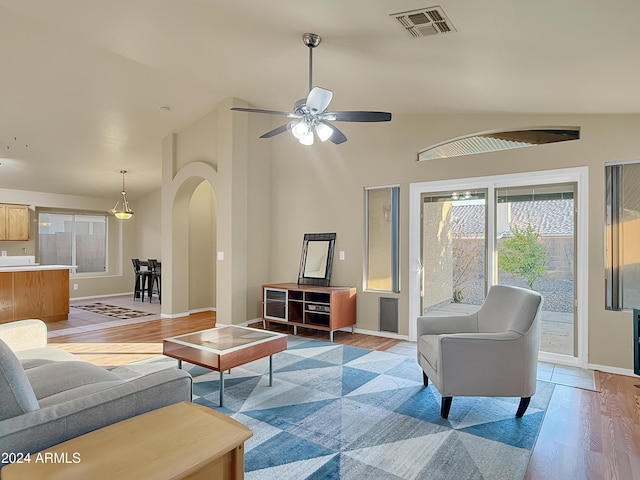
524,235
453,246
535,248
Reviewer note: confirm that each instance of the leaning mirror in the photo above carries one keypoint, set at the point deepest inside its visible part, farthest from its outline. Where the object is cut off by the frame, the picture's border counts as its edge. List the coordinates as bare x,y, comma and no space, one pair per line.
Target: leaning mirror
316,259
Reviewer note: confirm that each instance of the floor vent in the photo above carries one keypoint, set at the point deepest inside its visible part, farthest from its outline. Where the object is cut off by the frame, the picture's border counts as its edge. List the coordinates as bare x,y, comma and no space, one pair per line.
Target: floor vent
424,22
388,314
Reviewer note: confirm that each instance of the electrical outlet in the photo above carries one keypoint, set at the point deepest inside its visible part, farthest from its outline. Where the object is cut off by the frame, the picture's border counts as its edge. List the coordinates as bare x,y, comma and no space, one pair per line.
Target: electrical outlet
341,255
75,286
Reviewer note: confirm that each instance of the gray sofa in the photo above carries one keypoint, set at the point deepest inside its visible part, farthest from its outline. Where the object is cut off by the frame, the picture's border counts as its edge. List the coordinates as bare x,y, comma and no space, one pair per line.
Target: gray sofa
48,396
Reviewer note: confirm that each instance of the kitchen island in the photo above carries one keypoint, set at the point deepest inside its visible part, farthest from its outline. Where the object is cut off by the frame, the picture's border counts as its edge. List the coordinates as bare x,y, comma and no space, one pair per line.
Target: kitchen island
34,291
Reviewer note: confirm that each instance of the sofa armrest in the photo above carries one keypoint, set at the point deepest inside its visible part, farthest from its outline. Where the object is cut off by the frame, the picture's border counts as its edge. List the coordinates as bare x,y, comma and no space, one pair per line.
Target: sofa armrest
24,334
35,431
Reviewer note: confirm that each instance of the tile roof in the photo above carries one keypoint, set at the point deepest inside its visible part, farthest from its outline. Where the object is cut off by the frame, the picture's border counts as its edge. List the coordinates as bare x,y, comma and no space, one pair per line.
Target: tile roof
549,217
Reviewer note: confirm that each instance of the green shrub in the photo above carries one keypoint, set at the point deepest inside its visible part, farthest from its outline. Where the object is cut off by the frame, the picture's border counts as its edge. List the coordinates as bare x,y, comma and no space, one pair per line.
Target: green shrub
524,255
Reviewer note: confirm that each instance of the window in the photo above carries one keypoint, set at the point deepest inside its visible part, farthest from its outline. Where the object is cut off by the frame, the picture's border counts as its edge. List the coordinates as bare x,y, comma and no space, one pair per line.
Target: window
622,233
382,237
500,140
73,239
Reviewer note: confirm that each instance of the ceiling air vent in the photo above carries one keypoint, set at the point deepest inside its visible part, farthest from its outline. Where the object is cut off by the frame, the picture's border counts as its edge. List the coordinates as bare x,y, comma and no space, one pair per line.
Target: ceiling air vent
424,22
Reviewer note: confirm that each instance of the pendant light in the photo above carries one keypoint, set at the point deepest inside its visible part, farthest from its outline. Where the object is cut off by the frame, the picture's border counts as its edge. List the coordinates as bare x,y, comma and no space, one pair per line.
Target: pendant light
124,212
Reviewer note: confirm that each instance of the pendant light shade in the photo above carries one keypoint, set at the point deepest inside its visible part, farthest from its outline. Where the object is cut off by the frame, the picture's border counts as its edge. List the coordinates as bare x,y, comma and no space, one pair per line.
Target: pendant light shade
121,209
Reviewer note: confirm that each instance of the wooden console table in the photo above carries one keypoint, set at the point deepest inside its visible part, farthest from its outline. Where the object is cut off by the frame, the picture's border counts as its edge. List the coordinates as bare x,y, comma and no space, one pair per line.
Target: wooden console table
320,308
181,441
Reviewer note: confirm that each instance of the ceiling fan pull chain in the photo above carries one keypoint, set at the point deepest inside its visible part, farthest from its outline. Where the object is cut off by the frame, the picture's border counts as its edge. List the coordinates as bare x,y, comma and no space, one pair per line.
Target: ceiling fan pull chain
310,68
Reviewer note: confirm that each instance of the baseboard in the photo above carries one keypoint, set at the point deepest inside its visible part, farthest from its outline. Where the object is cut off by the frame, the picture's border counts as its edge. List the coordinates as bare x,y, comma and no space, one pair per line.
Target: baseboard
376,333
608,369
186,314
102,296
200,310
249,322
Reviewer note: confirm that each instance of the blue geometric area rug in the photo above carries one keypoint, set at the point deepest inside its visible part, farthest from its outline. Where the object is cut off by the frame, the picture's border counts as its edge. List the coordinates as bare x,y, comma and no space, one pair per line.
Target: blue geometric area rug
341,412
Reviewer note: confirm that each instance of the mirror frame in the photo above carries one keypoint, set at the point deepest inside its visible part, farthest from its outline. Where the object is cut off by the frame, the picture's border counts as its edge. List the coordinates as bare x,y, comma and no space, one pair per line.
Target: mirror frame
316,237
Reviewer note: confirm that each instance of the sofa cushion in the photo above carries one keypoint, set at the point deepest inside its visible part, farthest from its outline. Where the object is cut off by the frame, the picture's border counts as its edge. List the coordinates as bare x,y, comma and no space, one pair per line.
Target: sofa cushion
55,377
77,393
16,395
38,356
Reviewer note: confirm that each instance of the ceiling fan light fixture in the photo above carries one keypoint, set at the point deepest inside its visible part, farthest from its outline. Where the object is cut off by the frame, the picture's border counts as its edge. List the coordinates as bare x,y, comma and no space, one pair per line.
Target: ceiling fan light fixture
324,131
300,129
124,212
307,139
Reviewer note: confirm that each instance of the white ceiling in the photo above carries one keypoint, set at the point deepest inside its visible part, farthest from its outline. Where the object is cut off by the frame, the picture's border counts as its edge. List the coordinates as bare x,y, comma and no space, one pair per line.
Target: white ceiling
81,81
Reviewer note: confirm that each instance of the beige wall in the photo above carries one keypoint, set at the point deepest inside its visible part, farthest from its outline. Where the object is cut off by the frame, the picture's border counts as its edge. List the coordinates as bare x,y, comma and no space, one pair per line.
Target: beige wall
222,149
319,189
202,248
147,217
122,240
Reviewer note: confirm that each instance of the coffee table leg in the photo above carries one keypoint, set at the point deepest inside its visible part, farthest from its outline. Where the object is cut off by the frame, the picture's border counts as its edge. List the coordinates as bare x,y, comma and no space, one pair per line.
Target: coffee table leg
270,370
222,389
180,364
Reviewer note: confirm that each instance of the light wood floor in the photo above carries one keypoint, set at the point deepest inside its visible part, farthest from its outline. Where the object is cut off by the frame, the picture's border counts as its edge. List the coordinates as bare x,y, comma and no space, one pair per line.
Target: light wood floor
585,434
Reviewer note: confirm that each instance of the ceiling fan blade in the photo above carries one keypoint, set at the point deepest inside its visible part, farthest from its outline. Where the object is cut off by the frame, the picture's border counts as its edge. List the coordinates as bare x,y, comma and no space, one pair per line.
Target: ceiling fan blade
337,137
357,116
270,112
318,99
276,131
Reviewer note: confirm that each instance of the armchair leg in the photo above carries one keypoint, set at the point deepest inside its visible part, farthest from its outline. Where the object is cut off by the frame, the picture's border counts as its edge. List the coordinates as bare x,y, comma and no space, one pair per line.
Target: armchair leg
425,379
445,407
524,403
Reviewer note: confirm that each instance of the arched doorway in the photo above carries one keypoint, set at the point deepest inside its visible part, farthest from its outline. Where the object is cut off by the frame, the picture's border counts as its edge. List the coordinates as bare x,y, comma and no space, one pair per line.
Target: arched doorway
189,243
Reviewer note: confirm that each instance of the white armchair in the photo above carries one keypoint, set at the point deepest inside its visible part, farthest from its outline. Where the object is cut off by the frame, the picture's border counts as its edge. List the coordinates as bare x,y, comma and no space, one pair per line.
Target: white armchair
492,352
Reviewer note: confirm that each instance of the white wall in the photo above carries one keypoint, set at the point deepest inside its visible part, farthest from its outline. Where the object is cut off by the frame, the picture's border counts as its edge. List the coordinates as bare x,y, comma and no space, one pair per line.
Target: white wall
147,217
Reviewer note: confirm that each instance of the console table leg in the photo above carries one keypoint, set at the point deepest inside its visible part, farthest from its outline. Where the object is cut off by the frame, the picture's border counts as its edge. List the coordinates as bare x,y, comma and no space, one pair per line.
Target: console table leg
295,329
180,364
270,370
331,336
221,389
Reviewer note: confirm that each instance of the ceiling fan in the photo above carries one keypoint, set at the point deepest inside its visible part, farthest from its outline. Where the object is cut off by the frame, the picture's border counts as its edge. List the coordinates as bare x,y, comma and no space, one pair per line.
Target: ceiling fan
310,114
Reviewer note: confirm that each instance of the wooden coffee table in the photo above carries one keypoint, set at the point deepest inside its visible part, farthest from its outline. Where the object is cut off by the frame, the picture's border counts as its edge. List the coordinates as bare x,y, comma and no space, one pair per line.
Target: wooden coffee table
225,347
181,441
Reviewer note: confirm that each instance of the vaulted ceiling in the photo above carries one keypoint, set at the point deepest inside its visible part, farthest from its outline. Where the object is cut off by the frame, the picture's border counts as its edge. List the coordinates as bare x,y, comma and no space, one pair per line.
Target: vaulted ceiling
82,82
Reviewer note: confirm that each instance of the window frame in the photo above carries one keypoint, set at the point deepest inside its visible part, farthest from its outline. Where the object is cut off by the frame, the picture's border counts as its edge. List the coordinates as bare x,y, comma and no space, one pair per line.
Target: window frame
74,214
394,253
614,209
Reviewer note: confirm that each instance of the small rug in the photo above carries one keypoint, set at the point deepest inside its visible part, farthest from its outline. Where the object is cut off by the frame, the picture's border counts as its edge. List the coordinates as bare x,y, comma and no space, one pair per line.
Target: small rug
112,310
341,412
